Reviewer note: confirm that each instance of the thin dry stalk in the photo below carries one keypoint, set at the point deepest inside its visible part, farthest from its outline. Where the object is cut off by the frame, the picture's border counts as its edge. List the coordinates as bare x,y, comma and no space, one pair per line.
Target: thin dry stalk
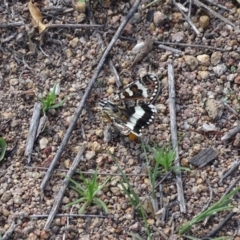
33,130
233,184
229,172
190,45
187,18
231,133
59,196
9,25
218,5
173,121
73,26
170,49
87,93
230,109
68,215
220,225
9,232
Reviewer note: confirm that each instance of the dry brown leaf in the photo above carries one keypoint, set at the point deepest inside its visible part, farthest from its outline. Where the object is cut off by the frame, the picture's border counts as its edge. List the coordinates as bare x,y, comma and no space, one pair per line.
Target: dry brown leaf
143,51
36,17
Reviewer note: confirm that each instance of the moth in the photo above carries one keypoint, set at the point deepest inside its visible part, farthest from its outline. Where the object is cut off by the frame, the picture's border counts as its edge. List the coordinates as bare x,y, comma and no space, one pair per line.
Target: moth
132,109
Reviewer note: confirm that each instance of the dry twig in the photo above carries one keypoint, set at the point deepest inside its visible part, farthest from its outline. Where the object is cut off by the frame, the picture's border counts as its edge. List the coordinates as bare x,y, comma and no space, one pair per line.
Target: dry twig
230,109
172,108
68,215
87,93
218,5
32,130
9,232
9,25
231,186
233,168
59,196
190,45
73,26
231,133
187,18
220,225
170,49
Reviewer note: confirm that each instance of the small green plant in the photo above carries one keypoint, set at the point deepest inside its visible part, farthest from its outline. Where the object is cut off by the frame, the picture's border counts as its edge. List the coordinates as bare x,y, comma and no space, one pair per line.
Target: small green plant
233,69
100,83
3,147
165,158
219,206
88,191
134,201
48,102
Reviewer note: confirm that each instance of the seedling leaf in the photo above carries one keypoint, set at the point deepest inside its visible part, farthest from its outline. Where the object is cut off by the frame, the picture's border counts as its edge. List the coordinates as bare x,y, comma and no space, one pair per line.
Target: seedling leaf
3,147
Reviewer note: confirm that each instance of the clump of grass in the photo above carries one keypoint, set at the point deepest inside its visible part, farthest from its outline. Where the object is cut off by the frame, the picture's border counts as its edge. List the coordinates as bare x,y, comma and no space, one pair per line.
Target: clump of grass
219,206
164,158
88,191
48,102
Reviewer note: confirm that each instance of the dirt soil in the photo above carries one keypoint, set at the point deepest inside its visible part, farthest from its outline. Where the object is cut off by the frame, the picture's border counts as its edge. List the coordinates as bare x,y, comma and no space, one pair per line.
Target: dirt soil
207,104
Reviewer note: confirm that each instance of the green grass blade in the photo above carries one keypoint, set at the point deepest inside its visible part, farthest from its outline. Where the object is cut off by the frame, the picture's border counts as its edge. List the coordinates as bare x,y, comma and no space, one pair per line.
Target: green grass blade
76,202
83,208
3,147
220,205
60,104
135,236
100,203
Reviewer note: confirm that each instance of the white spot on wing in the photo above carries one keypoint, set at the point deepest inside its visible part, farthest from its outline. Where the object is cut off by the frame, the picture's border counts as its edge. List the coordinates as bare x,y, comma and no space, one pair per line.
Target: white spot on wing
139,112
143,88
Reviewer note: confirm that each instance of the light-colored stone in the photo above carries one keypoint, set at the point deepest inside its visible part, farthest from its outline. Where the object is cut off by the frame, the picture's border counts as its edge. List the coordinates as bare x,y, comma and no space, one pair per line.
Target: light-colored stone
6,196
203,74
14,123
158,18
68,53
7,115
99,132
43,143
128,29
191,61
13,81
220,69
214,109
95,146
178,37
74,42
204,21
81,7
204,59
216,58
90,154
81,17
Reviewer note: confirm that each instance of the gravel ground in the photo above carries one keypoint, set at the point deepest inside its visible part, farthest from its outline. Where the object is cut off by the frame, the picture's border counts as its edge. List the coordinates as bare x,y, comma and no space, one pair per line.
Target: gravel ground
206,80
